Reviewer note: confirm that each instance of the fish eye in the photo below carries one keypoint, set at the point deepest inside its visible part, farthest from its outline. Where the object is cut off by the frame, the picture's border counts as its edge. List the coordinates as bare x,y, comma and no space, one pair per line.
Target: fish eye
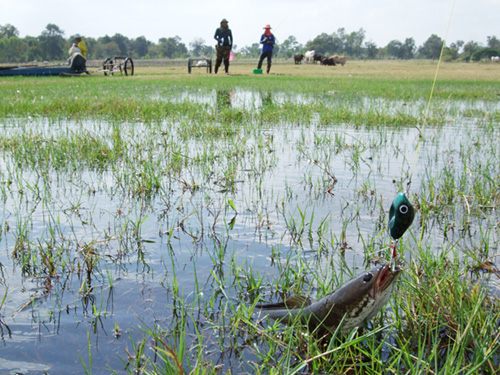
403,209
367,277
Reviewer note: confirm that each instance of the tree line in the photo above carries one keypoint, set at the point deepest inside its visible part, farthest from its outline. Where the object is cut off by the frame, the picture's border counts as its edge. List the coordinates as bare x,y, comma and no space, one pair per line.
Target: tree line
52,45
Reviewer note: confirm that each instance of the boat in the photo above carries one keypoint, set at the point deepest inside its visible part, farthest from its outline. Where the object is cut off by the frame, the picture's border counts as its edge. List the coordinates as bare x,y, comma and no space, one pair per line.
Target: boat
77,67
39,71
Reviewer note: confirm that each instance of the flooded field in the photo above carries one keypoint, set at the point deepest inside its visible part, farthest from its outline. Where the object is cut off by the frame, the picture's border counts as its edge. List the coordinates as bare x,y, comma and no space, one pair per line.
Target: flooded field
134,246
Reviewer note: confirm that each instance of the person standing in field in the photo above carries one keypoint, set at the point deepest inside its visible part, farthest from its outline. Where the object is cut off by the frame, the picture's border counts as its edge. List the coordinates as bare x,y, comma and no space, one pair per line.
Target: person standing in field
267,40
224,38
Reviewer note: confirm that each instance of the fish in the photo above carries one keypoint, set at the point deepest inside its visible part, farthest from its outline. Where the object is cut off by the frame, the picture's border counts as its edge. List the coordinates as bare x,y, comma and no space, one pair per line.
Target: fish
351,305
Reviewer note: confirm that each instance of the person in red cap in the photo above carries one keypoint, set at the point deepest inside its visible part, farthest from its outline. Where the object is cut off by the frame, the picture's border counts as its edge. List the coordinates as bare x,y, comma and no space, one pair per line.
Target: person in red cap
267,40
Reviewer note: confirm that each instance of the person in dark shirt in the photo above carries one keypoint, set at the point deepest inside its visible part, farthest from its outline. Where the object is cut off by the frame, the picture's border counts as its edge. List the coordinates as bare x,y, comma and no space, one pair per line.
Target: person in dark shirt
224,38
267,40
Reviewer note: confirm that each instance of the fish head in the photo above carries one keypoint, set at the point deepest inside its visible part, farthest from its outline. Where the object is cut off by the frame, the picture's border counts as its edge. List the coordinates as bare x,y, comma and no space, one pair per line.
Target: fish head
364,296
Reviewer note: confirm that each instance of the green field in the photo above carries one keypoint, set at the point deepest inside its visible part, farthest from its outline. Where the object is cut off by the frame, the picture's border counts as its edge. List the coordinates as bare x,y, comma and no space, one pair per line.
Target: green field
144,217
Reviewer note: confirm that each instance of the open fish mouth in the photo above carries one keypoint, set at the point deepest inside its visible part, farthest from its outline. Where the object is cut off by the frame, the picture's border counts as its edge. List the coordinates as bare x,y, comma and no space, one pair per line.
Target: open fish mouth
384,278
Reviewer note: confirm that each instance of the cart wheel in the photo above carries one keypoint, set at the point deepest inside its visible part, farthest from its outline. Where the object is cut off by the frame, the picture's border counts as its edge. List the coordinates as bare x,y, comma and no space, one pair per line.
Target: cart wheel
128,66
107,66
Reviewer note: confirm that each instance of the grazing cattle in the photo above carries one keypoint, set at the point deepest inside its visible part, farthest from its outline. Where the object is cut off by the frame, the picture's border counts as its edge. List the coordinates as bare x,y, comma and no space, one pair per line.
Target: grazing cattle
317,57
495,58
339,60
298,58
309,56
327,61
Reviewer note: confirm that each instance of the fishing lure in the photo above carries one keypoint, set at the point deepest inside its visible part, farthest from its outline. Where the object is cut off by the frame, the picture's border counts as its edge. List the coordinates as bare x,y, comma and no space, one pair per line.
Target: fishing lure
401,216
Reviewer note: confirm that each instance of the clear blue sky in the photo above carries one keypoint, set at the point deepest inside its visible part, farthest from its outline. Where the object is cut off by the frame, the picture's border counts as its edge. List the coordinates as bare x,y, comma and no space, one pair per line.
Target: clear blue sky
383,20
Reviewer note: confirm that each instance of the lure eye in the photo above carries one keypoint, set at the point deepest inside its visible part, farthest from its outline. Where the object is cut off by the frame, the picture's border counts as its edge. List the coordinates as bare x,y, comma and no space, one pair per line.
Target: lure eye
367,277
403,209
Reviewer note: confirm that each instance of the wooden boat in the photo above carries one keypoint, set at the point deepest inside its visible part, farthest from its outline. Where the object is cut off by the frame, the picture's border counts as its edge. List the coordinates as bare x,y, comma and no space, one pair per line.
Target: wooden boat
77,67
39,71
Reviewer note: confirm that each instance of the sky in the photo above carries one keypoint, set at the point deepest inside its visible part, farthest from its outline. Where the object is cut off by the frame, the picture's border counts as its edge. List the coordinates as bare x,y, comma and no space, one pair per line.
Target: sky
382,20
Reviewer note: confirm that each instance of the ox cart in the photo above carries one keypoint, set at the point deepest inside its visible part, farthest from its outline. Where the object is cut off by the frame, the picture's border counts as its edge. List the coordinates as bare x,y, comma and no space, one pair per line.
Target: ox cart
117,64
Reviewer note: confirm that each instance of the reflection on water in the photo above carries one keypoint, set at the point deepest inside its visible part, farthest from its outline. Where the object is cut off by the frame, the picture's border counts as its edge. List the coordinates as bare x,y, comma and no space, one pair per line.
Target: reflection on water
125,245
224,98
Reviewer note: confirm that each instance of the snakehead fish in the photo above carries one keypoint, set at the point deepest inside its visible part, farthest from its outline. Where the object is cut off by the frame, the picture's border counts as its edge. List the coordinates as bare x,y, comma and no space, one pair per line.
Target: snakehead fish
355,302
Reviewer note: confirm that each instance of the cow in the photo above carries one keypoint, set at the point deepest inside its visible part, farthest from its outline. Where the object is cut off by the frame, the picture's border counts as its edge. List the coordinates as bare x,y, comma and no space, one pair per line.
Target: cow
309,56
339,60
495,58
327,61
298,57
317,57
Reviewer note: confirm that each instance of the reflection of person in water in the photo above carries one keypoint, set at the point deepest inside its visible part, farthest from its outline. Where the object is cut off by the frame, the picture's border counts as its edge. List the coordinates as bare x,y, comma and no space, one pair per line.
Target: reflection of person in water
224,98
267,99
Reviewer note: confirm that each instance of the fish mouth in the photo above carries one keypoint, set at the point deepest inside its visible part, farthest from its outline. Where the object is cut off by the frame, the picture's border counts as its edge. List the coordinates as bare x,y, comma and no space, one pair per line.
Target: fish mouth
385,277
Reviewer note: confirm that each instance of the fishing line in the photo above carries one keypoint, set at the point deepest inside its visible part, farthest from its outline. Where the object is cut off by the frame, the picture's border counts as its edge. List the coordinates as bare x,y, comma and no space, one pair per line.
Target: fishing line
401,213
428,106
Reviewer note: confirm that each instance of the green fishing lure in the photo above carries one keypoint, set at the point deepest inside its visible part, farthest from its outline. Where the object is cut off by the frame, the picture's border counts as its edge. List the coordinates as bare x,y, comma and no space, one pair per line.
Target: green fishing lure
401,216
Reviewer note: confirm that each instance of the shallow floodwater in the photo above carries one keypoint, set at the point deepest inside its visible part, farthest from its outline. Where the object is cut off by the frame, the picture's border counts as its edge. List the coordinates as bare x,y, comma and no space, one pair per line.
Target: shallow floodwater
87,260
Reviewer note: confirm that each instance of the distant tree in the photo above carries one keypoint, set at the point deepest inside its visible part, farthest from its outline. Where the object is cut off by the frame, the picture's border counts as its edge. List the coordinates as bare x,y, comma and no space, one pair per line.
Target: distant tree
409,49
123,44
469,49
290,46
8,31
12,49
140,46
251,51
450,53
493,42
431,49
353,44
322,44
395,49
484,53
172,47
33,51
458,45
197,46
105,50
371,50
52,42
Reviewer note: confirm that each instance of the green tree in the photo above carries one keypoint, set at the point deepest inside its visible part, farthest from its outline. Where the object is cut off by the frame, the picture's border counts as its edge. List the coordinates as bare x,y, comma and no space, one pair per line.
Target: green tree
105,50
12,49
251,51
8,31
52,42
123,44
469,49
322,44
371,50
409,49
493,42
395,49
431,49
484,53
290,46
197,46
140,46
353,44
172,47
